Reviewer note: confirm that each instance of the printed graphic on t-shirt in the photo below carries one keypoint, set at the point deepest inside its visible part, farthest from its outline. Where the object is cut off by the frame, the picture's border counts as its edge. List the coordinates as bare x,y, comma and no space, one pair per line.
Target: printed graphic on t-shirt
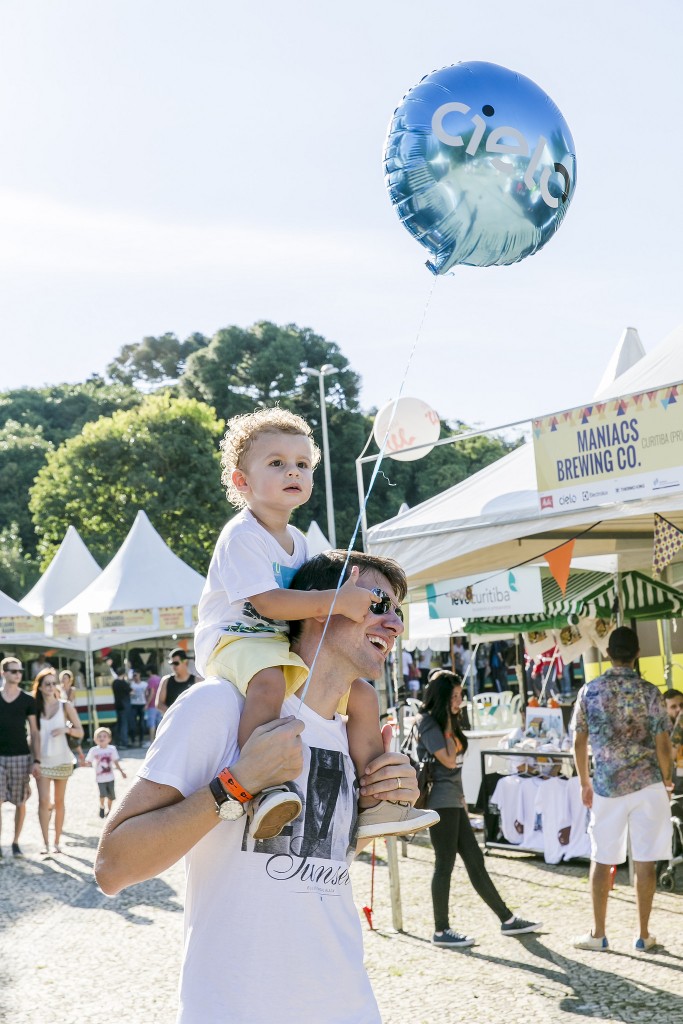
324,831
103,764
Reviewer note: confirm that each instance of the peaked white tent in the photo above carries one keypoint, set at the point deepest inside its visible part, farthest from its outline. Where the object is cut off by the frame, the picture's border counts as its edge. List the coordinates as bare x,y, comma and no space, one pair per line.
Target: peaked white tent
627,353
491,520
71,570
146,591
19,626
664,365
316,540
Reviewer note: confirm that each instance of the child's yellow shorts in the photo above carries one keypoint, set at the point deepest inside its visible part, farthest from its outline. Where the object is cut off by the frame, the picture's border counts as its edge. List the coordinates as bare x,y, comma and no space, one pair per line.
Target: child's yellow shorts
239,658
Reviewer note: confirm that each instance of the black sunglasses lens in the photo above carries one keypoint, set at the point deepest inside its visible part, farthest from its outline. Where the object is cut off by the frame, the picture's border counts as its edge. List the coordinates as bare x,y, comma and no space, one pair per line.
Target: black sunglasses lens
383,604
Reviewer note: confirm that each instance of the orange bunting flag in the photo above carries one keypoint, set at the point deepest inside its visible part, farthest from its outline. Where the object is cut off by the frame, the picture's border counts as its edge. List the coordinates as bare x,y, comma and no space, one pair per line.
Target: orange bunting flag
559,561
667,542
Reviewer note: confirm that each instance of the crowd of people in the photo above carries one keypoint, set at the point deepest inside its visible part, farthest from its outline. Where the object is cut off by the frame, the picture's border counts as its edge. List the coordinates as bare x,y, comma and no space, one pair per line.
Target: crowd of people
268,793
41,735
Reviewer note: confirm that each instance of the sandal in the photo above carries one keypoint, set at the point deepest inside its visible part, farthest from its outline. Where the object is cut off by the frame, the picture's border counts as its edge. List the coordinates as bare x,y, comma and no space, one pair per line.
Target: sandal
56,849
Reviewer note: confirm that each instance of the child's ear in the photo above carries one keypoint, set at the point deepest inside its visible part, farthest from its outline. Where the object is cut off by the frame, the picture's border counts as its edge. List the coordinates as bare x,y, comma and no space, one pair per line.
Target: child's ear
239,481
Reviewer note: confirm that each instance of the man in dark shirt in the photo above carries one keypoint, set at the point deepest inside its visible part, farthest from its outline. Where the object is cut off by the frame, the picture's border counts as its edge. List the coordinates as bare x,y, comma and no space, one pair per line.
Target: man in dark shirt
173,685
17,762
121,688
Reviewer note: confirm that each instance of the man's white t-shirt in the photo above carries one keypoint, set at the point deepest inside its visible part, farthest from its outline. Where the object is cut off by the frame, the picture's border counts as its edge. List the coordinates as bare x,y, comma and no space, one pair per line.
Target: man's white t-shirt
247,560
271,929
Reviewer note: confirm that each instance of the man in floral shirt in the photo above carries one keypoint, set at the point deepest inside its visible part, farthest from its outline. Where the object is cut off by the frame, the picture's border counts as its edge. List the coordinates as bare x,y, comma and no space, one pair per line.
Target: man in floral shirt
625,720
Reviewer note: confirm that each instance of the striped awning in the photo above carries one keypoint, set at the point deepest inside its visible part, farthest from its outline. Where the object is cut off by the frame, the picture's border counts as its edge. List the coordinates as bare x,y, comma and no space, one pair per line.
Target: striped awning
592,595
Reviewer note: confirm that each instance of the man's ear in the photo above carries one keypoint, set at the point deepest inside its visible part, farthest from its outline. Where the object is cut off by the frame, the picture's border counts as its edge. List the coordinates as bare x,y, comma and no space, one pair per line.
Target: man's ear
239,481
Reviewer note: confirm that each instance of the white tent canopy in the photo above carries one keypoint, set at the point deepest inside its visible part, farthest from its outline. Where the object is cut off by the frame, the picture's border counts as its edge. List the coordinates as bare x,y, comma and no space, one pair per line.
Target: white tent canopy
71,570
316,540
628,352
18,626
664,365
143,575
492,520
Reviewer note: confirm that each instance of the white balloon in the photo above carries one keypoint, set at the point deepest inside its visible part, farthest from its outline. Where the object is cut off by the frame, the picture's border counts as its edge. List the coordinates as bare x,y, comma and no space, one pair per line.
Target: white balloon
414,422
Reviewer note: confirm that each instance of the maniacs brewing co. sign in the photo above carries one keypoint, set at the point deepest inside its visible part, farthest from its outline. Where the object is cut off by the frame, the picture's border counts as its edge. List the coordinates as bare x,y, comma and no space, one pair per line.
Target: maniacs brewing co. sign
611,451
484,595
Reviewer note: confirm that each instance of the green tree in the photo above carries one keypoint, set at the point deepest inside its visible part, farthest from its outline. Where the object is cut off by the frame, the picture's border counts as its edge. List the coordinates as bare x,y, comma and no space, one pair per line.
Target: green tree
243,368
18,572
23,450
161,457
154,360
63,409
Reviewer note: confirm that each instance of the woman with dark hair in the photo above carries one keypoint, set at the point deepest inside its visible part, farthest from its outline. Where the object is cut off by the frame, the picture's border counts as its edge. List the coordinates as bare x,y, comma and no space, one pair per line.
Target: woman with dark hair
58,718
440,734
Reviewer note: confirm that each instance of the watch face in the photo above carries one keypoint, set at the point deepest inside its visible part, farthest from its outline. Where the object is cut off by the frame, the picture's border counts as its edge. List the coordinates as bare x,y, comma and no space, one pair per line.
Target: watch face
231,809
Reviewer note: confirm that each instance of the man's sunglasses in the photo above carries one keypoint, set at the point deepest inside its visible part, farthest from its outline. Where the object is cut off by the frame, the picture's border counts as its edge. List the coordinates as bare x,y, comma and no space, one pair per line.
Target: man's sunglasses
176,663
384,604
17,671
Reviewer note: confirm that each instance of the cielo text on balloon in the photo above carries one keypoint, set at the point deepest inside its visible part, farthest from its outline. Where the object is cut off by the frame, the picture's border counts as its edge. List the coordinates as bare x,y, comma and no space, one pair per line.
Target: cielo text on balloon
497,141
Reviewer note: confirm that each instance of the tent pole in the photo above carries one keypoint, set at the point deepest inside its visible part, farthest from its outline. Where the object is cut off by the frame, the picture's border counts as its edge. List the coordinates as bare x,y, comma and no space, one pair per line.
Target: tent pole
361,502
666,636
90,686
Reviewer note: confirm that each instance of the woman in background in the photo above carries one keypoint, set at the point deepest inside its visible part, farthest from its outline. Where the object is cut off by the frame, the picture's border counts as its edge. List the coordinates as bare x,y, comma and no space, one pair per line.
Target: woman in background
440,734
57,718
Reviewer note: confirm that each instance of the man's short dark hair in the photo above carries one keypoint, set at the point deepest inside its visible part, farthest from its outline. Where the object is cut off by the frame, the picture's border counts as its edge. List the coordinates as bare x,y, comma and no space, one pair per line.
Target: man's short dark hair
322,572
623,644
178,652
672,694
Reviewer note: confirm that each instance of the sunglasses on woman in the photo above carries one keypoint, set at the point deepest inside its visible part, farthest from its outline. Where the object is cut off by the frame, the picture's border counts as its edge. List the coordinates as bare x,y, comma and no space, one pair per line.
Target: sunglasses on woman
383,604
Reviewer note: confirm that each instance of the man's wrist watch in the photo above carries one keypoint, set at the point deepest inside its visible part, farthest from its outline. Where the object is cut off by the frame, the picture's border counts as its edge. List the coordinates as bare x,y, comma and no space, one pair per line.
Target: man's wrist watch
230,797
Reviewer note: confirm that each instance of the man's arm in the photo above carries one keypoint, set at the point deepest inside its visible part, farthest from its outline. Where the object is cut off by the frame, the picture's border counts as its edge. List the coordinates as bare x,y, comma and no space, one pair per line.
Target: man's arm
665,758
161,696
155,826
581,761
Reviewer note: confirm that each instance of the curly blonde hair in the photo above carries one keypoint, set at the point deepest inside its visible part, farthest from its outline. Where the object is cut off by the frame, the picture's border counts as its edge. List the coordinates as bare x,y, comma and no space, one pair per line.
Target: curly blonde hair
242,432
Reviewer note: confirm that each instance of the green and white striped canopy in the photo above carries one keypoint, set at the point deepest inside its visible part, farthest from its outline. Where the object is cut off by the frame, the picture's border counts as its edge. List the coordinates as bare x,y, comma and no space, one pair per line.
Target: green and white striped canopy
593,595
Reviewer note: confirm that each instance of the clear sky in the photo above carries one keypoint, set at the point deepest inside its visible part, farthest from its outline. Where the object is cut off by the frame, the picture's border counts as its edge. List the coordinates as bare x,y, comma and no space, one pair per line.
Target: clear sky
182,166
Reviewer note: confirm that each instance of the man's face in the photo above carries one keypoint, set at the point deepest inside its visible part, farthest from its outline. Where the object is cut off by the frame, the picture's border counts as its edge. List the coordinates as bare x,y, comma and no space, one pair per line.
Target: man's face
674,706
178,666
13,672
366,645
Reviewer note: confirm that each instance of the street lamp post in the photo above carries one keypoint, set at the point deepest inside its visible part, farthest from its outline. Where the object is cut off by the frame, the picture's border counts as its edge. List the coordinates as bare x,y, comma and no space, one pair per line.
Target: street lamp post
325,371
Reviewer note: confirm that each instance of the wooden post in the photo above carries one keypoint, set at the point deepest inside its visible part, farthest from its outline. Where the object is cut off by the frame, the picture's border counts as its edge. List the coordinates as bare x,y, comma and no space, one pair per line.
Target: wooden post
394,884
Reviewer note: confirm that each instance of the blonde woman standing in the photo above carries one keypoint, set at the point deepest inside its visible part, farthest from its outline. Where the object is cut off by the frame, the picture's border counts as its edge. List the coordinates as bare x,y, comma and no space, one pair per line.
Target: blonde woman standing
58,718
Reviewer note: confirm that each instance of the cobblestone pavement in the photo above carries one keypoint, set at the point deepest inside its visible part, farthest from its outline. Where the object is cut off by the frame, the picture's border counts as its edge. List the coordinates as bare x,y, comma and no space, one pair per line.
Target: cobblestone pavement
70,954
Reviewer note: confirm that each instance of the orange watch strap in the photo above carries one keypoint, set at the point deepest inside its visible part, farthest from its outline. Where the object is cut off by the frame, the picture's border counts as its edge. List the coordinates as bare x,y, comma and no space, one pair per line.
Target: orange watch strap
232,786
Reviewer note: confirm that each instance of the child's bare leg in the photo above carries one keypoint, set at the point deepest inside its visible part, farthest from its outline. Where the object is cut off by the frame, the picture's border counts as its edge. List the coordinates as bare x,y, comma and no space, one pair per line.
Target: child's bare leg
363,730
263,702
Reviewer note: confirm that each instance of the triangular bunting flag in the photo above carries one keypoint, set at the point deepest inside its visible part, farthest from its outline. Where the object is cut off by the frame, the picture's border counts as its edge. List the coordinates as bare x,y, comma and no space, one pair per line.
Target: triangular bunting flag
559,561
668,540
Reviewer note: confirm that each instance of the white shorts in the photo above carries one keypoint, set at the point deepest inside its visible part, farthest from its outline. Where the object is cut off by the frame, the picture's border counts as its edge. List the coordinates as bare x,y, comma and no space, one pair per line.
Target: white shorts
645,815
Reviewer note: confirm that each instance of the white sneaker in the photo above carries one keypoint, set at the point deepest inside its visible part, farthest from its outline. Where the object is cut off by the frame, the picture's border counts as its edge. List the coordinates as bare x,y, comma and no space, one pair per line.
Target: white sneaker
589,941
645,945
393,819
271,810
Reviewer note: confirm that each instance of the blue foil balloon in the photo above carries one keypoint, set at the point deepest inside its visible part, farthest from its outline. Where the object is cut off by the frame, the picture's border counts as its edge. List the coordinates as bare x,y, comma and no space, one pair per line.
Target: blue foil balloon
480,166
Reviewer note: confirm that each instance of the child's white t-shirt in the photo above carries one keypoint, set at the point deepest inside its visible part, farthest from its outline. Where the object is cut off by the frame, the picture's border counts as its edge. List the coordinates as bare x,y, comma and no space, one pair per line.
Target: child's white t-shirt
247,560
103,760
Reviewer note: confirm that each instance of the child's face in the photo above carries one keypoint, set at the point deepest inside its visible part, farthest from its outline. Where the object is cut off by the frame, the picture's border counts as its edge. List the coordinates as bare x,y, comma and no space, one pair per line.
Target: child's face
102,740
278,473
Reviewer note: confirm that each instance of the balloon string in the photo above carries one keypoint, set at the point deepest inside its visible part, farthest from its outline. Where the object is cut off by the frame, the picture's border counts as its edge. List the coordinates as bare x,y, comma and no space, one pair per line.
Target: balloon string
374,476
